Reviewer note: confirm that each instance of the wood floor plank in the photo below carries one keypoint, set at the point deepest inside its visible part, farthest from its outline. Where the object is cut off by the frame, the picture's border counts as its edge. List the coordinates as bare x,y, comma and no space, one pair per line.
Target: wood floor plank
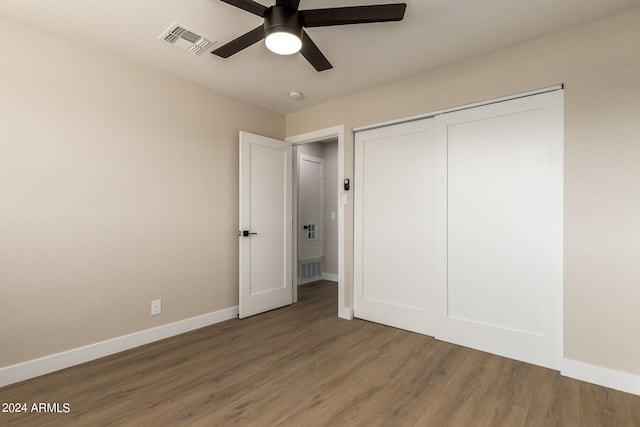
302,366
555,401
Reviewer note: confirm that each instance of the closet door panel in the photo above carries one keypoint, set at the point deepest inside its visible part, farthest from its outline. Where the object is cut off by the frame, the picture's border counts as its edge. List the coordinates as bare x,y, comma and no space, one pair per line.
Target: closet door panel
501,290
394,226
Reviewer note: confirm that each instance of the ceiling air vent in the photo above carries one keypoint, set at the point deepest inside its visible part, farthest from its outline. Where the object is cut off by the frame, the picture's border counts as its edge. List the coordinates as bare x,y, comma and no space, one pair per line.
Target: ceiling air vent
186,39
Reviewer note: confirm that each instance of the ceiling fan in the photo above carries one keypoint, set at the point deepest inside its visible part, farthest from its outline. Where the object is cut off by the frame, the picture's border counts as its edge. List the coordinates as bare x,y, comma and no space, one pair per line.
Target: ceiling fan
283,28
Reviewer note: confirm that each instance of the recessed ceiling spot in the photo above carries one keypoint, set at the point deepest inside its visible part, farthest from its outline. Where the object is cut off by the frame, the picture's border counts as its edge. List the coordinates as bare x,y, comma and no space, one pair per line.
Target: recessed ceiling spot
295,95
185,38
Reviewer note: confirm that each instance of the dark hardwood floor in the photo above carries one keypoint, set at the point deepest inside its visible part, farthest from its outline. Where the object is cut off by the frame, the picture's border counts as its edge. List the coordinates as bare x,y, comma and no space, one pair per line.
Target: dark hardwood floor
302,366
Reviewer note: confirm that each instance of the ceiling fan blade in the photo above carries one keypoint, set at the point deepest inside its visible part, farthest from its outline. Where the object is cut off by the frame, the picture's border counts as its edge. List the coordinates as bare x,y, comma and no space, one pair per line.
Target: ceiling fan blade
312,54
353,15
291,4
248,5
242,42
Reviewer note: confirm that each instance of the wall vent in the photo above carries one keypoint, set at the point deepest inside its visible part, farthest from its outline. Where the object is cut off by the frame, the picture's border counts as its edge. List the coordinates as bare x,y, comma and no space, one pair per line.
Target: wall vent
309,271
185,38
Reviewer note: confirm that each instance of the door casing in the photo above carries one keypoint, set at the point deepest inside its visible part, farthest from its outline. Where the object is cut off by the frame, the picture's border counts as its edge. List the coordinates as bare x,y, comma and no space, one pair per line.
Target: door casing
337,132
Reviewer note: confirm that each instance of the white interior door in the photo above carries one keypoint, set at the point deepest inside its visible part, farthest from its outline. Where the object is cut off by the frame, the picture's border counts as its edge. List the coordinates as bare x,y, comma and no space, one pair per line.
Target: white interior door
310,208
501,287
265,224
394,226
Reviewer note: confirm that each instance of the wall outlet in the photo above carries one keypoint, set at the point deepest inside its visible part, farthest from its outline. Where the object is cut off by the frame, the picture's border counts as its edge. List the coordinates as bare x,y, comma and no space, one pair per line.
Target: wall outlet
156,307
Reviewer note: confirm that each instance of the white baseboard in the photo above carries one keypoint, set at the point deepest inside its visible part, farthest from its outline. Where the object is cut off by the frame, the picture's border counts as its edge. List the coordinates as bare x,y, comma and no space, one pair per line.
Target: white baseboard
623,381
330,276
345,313
323,276
55,362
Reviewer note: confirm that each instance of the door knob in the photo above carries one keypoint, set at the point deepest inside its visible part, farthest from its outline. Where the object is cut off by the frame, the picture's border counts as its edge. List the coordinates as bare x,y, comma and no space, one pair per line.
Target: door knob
245,233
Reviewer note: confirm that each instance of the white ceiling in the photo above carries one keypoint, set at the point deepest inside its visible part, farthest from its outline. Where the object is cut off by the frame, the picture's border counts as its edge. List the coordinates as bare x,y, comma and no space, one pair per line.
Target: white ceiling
433,33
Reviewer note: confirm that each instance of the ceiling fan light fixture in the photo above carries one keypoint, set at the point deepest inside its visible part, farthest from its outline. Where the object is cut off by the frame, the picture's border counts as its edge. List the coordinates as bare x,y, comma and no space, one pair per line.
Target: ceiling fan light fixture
283,43
283,30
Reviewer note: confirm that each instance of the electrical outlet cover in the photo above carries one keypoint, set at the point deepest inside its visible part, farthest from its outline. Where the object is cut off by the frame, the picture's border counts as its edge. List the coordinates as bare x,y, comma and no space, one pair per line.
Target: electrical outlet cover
156,307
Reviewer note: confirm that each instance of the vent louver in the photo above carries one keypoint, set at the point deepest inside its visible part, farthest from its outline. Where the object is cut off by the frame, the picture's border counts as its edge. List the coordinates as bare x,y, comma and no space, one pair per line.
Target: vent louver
186,39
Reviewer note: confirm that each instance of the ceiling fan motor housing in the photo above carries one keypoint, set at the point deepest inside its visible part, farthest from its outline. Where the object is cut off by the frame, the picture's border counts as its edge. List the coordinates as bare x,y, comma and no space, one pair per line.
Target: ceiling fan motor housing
282,19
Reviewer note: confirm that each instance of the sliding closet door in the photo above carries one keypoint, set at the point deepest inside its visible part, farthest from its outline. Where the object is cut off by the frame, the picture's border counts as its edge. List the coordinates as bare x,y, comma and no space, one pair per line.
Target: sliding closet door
394,226
458,227
501,285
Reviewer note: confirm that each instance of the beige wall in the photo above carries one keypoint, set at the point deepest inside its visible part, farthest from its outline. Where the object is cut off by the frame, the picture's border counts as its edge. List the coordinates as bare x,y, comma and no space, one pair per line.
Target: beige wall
314,149
118,185
599,63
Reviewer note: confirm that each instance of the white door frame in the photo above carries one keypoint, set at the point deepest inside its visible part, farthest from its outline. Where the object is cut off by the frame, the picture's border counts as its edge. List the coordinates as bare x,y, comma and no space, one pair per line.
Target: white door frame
307,138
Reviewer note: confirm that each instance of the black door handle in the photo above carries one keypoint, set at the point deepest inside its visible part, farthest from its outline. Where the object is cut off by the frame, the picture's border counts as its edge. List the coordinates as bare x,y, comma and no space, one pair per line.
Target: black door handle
245,233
